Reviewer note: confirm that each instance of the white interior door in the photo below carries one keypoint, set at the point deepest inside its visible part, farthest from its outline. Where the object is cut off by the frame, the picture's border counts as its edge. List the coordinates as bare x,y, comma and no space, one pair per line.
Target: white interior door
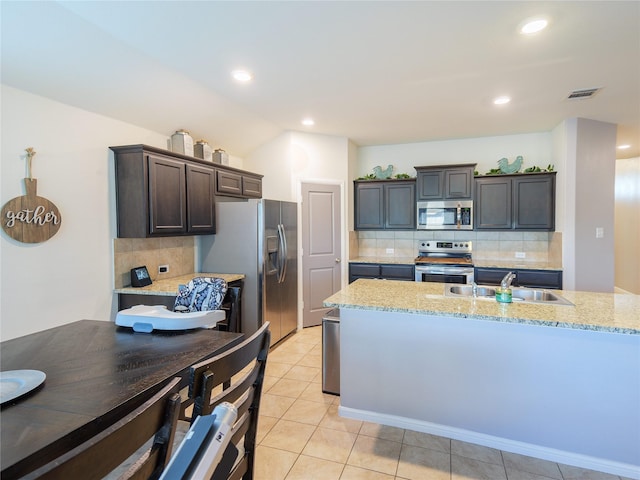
321,249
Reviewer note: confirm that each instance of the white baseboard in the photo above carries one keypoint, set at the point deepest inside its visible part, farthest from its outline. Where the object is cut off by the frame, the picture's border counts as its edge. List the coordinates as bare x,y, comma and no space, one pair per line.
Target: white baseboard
554,455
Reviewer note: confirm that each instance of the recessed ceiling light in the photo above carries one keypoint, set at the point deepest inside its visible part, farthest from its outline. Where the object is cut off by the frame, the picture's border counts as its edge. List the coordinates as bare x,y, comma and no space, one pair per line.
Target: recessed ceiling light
501,100
308,122
623,147
241,76
534,26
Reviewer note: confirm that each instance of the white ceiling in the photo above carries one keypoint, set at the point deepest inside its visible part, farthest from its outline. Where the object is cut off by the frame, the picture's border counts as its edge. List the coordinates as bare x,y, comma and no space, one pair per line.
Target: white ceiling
376,72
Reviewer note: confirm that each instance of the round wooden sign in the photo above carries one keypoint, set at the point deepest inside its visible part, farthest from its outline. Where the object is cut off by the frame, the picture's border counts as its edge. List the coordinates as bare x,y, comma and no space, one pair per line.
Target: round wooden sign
30,218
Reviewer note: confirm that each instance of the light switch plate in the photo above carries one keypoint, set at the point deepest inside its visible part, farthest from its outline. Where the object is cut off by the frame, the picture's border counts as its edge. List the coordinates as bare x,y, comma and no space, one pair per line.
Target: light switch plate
521,255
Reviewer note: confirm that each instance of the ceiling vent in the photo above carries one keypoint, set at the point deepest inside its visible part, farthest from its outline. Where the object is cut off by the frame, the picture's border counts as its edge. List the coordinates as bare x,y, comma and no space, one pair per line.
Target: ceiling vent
581,94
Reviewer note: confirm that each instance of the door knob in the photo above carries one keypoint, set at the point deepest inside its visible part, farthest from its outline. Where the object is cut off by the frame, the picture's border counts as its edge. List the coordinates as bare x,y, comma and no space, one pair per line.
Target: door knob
337,260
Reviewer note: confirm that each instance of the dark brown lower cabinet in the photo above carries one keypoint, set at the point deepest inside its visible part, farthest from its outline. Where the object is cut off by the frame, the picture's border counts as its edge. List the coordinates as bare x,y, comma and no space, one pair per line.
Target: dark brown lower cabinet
531,278
384,271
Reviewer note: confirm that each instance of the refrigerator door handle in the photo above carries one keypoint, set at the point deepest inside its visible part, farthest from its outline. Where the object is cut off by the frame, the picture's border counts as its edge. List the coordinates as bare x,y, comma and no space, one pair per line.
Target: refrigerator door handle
283,254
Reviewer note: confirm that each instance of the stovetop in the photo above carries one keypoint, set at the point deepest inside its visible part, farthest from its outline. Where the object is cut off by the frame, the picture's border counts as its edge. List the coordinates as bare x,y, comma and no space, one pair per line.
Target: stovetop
444,252
426,260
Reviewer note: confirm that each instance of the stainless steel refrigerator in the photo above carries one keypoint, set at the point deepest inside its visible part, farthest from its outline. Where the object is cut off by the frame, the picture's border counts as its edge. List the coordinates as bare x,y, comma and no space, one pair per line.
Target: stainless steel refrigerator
258,238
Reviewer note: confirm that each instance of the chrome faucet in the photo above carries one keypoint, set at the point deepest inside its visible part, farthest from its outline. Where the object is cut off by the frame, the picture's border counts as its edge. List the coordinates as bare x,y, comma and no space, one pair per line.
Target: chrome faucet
508,278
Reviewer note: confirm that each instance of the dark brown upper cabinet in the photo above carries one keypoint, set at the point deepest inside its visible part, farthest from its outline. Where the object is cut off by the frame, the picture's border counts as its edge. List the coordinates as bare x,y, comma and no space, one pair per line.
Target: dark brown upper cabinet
161,193
385,204
515,202
235,184
445,182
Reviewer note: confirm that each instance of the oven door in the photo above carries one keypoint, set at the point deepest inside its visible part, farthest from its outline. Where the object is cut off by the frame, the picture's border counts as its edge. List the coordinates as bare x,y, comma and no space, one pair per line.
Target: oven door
444,274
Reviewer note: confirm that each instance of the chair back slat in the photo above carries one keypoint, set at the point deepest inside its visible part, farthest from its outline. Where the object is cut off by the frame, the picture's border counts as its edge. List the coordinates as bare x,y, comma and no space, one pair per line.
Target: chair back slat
227,364
100,455
236,376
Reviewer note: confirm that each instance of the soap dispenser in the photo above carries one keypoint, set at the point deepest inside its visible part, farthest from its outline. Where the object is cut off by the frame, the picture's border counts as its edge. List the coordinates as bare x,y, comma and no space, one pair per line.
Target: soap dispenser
503,292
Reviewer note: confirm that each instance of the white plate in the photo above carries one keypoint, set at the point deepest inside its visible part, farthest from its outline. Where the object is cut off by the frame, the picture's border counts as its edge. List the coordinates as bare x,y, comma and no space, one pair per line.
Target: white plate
15,383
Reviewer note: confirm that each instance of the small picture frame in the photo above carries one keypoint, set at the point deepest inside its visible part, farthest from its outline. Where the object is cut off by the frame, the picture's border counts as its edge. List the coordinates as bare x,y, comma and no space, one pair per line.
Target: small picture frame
140,277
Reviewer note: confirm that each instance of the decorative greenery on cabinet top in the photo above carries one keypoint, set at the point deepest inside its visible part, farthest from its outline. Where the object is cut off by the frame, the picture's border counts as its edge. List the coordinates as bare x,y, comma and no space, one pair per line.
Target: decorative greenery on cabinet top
386,174
505,167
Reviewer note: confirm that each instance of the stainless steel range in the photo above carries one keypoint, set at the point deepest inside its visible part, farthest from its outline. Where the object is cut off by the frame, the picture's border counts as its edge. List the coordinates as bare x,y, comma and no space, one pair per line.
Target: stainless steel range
444,261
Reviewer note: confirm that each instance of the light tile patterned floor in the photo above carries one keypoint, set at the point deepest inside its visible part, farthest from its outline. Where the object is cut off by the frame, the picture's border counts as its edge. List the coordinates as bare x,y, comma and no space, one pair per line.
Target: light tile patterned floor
301,436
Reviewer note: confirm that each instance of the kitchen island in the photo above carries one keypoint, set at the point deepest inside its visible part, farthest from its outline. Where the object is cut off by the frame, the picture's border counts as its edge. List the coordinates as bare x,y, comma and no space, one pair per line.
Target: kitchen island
555,382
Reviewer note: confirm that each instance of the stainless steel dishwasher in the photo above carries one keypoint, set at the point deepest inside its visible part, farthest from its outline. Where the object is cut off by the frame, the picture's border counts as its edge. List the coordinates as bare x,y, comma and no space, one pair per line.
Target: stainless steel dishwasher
331,352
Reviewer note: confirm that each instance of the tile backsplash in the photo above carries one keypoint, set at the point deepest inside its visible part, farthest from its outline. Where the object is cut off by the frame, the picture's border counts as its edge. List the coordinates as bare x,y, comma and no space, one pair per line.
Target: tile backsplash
537,246
176,252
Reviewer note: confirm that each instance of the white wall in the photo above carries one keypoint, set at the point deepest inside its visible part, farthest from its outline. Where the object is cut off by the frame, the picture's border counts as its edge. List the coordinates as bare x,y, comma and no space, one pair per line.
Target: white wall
70,276
589,186
627,225
295,157
536,149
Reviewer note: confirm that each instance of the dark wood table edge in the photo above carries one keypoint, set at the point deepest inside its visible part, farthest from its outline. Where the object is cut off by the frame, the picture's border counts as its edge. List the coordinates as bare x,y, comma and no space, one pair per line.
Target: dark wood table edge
91,428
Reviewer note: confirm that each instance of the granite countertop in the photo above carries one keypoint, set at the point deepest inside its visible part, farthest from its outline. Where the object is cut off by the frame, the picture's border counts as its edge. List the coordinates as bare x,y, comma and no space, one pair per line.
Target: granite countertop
606,312
511,264
389,260
168,287
515,264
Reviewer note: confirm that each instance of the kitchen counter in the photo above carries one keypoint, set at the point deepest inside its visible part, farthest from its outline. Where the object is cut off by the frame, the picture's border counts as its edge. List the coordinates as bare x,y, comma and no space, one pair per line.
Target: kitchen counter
605,312
561,383
168,287
511,264
386,260
516,265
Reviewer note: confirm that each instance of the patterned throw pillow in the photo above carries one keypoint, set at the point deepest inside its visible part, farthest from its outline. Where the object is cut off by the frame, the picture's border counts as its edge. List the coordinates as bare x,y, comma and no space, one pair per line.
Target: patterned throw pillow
201,294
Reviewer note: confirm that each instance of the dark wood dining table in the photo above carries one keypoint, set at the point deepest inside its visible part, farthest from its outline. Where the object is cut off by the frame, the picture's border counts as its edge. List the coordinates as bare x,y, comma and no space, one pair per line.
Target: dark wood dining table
96,372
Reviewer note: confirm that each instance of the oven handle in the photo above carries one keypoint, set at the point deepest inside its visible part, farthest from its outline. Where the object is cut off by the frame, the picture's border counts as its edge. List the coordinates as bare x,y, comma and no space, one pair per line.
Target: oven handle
459,216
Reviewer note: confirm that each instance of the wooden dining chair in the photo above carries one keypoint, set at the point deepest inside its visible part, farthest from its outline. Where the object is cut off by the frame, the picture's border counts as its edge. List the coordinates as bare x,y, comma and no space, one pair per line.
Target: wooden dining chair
153,423
231,306
235,376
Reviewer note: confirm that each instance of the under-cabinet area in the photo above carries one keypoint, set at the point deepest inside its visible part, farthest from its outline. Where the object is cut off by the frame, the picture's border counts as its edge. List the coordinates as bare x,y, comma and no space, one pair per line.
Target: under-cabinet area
161,193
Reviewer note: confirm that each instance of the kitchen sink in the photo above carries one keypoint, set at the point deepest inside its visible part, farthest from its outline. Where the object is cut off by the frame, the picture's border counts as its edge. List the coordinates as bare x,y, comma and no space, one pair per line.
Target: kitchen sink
466,291
518,294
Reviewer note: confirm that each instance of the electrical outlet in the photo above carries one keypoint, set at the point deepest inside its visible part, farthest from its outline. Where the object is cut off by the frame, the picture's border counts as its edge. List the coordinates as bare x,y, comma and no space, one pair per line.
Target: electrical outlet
521,255
163,269
599,232
389,250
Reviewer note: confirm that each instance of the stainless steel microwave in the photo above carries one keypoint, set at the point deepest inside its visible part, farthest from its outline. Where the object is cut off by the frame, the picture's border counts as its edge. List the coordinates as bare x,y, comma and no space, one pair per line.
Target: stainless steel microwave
445,215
